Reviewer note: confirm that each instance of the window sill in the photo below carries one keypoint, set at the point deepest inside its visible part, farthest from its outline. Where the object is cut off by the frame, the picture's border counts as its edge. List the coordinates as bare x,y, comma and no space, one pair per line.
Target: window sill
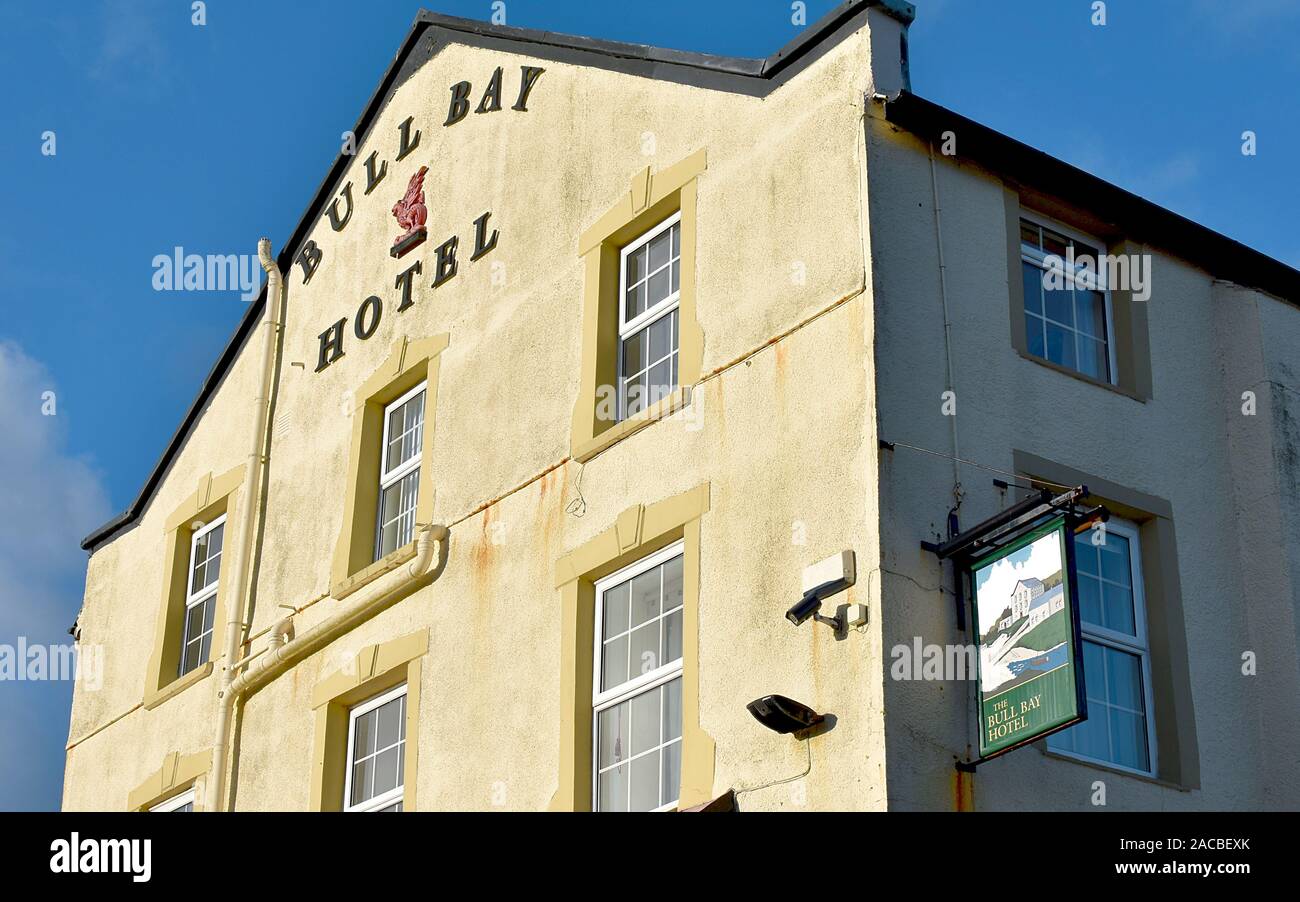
1097,765
1082,377
176,686
367,575
662,408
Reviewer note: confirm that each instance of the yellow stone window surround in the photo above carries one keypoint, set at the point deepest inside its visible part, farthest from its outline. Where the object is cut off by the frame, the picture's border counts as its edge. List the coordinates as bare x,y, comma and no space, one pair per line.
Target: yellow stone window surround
375,670
651,198
409,364
638,532
214,497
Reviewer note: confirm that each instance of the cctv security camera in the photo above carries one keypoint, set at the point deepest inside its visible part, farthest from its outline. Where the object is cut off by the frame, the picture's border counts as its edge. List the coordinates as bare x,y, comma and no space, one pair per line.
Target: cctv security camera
807,607
804,608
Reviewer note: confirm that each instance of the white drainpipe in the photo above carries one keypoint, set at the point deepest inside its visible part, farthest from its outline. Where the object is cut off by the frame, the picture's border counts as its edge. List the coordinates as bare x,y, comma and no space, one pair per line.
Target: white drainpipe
284,649
241,597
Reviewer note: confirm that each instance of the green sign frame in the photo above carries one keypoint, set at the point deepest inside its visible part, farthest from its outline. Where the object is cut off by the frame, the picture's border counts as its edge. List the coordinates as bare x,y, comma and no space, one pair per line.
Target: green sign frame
1030,680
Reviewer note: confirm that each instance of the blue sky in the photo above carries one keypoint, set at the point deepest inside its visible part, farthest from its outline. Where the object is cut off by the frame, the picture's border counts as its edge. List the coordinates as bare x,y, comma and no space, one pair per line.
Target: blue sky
162,140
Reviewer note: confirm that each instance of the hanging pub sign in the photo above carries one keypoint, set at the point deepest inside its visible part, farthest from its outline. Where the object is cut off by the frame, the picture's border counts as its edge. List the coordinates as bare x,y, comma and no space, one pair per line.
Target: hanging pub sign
1026,623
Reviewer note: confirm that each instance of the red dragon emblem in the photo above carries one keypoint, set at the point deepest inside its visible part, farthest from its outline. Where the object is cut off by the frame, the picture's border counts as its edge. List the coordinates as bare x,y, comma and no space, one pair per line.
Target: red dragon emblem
411,214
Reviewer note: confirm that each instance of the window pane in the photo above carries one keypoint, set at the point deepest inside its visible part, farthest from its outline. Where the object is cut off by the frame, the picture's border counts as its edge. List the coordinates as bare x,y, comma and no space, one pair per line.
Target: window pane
677,240
1085,553
1054,243
611,789
405,432
1034,339
1094,671
1117,609
614,618
659,286
397,513
646,713
1092,737
659,381
200,576
1124,679
1090,313
677,275
661,338
1058,305
645,783
634,395
1089,599
659,250
1028,233
389,724
612,736
636,270
673,637
634,353
613,670
645,596
1115,561
363,743
1086,250
635,302
362,774
191,658
673,583
643,650
1033,282
1128,734
673,710
385,771
1092,358
1060,345
672,780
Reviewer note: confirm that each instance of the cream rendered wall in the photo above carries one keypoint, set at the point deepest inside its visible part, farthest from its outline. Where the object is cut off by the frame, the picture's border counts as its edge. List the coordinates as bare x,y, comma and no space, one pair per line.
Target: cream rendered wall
1174,446
124,590
785,438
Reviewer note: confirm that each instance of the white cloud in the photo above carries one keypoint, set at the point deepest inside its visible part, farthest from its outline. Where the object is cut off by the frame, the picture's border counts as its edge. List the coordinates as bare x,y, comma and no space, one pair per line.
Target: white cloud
49,499
1041,559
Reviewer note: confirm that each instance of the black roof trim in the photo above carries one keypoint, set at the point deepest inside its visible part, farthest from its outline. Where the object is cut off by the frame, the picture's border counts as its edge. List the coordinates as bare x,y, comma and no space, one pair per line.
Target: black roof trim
719,72
1142,220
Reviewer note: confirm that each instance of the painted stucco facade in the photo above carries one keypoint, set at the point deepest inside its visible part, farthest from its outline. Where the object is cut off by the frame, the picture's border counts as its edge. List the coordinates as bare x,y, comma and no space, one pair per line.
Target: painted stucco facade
820,339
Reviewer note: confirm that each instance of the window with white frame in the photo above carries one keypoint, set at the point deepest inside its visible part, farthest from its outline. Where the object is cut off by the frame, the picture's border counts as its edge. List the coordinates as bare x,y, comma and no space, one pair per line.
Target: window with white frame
1120,729
399,466
637,691
376,753
201,593
1068,318
649,289
183,802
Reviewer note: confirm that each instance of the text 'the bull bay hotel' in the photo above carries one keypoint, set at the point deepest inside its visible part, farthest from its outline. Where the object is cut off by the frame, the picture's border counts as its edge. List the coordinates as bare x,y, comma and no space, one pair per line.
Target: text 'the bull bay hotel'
593,356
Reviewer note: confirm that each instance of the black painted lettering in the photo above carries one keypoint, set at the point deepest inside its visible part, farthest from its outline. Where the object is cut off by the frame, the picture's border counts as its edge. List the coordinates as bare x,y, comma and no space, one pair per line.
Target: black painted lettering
446,261
335,222
372,303
527,80
405,279
374,178
408,143
331,344
491,101
309,259
459,102
483,244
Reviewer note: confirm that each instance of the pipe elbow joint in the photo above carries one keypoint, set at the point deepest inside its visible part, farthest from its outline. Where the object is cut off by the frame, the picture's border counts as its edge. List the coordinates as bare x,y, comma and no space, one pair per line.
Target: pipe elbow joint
264,256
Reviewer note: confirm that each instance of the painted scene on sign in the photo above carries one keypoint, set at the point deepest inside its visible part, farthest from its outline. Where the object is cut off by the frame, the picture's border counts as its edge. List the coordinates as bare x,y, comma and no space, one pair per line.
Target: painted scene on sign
1024,627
